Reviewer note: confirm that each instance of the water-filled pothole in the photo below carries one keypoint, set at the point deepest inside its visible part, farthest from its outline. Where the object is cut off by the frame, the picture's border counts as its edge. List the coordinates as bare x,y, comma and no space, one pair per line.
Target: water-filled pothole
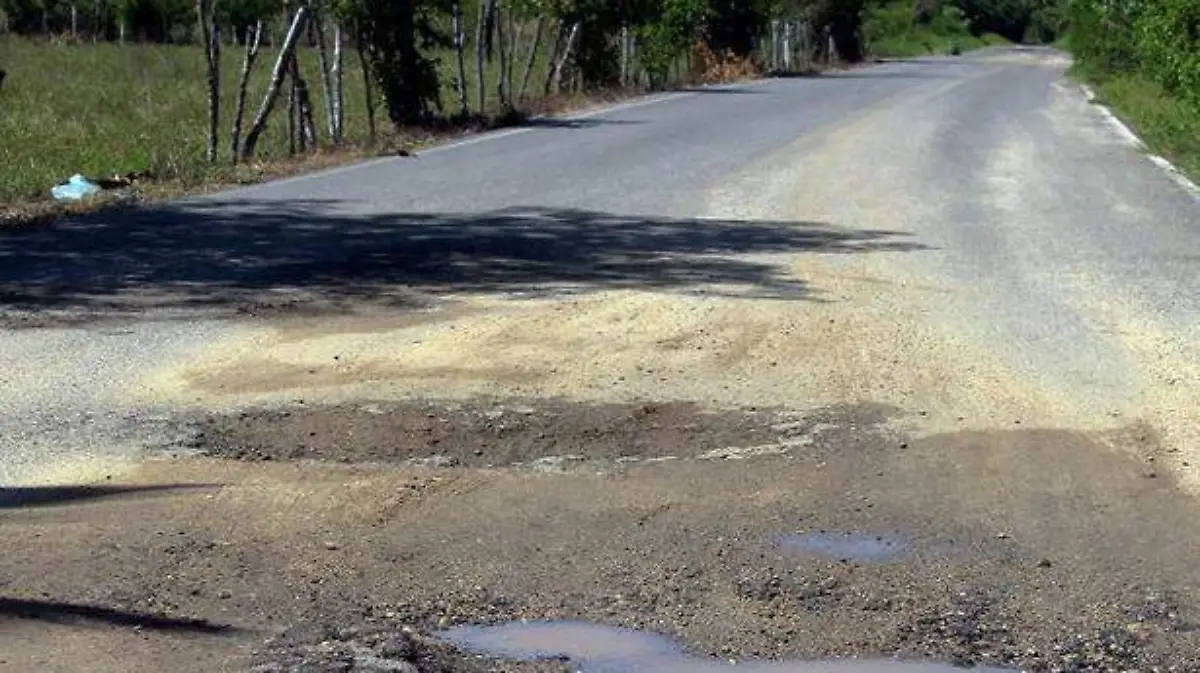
847,546
602,649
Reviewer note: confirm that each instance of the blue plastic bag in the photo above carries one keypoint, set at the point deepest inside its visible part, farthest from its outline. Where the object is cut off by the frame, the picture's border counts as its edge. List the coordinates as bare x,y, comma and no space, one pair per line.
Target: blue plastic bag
75,189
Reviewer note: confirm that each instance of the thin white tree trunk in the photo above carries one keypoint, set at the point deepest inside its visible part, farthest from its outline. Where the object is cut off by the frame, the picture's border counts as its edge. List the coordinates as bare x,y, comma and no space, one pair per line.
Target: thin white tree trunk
277,75
566,56
787,46
339,83
212,51
253,44
318,22
464,107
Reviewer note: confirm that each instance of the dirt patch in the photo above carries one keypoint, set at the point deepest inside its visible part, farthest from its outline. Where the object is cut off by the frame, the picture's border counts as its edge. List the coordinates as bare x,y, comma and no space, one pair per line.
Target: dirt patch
1041,549
485,433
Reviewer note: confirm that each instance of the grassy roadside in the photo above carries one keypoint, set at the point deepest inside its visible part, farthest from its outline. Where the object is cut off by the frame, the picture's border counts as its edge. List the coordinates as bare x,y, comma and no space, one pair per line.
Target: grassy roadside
1168,125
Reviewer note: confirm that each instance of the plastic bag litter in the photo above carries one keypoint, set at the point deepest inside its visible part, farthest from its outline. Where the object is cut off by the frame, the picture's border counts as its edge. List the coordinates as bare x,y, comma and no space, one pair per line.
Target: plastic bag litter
75,189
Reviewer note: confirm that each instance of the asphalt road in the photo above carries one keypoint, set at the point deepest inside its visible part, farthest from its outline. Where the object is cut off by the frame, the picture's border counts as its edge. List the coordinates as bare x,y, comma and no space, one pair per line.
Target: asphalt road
967,299
1079,255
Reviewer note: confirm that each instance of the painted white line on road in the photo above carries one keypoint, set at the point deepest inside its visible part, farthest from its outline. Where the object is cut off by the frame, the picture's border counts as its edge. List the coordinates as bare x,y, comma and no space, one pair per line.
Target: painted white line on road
1119,126
1176,175
1127,134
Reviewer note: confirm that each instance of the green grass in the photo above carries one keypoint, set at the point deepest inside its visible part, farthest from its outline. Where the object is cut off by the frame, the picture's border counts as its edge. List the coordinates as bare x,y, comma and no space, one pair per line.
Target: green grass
101,109
1169,126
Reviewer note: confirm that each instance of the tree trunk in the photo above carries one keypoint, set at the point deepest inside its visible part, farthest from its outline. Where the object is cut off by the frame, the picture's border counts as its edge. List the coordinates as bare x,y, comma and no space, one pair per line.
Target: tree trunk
464,107
624,55
788,27
293,114
339,84
502,57
264,110
360,44
481,39
304,111
566,56
533,51
74,22
516,33
212,51
318,22
252,46
555,48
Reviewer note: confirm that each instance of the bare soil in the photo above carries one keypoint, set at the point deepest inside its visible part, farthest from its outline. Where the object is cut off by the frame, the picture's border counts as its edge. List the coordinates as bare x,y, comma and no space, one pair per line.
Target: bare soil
1045,549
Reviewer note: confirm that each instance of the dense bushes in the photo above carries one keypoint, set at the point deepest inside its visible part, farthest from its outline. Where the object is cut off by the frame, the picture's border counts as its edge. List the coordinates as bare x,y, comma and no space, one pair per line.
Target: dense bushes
1158,39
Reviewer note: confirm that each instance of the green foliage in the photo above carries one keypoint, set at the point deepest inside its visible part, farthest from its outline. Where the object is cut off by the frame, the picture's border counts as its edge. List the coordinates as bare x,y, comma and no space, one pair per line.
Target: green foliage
897,30
399,36
1160,40
1167,39
668,36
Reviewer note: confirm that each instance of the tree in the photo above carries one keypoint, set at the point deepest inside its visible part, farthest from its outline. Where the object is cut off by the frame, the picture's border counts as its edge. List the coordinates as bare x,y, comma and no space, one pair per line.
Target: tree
211,38
396,33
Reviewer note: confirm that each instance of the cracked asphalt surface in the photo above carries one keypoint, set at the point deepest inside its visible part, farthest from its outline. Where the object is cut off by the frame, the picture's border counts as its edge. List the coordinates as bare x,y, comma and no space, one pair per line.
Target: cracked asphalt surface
596,368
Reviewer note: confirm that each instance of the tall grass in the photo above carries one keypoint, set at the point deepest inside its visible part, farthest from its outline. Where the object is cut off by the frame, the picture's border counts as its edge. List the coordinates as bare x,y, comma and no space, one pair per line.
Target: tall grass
103,109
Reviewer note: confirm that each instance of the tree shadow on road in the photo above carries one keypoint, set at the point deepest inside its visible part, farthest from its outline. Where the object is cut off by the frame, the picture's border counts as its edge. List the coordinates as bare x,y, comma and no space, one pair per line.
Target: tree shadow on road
72,613
14,497
229,256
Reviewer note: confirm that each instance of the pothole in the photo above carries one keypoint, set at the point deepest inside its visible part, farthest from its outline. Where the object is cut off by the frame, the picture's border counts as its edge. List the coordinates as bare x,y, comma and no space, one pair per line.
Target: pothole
545,435
859,546
593,648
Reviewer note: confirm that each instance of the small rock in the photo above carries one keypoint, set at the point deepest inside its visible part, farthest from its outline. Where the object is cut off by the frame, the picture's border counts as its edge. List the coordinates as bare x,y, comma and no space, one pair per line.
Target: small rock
332,546
224,594
1044,563
397,647
369,664
1001,536
1151,475
440,461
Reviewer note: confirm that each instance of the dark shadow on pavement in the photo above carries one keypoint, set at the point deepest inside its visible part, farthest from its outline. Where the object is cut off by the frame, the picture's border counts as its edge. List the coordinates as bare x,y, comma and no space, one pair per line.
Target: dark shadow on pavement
737,90
13,497
70,613
244,256
567,123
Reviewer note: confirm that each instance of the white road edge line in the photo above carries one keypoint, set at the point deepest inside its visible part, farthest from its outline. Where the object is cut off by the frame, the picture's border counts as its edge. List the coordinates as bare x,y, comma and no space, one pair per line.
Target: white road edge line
1132,138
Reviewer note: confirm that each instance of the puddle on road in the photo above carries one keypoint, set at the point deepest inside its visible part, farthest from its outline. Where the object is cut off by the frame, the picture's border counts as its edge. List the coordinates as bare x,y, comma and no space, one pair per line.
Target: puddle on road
601,649
846,546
